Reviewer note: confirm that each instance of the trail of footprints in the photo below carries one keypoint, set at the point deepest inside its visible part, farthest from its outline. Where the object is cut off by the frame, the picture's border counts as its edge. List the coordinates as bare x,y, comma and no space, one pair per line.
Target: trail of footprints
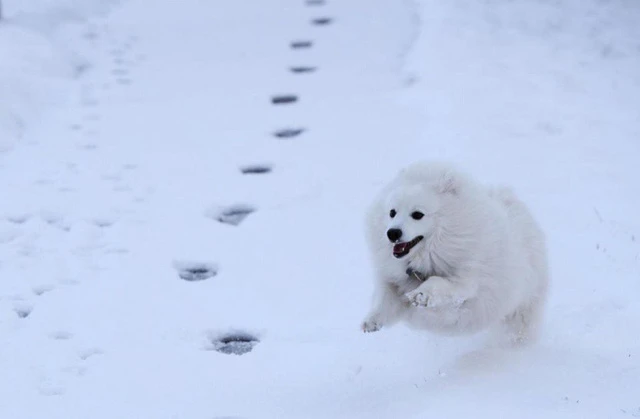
85,133
14,229
122,60
24,302
242,342
233,342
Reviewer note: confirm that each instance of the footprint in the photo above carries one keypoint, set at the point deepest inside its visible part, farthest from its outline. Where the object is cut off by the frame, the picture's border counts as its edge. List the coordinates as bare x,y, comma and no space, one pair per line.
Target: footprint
23,310
284,99
195,271
256,169
78,370
87,146
116,251
301,44
61,335
43,182
140,58
88,353
316,2
80,69
42,289
234,343
120,72
103,222
117,52
321,21
288,132
92,117
47,388
56,220
91,133
91,34
113,177
18,218
90,102
68,281
302,69
124,81
7,236
233,215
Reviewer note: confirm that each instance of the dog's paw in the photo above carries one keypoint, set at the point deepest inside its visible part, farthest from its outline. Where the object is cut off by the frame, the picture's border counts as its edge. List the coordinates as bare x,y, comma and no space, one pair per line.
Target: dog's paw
371,325
417,298
434,293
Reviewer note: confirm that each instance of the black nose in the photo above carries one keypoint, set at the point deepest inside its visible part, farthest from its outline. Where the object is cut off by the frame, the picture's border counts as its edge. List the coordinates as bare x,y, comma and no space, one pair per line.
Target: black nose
394,234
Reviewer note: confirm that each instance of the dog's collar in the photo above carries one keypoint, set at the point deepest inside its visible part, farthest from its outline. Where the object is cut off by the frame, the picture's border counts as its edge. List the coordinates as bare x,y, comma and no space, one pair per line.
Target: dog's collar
412,273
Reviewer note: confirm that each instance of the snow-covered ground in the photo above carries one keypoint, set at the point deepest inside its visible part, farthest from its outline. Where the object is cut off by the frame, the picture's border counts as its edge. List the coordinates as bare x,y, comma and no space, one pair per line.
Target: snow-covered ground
40,57
113,195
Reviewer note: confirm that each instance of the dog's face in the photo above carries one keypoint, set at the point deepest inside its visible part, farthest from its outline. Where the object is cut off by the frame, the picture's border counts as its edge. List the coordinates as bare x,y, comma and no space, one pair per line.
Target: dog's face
423,202
410,219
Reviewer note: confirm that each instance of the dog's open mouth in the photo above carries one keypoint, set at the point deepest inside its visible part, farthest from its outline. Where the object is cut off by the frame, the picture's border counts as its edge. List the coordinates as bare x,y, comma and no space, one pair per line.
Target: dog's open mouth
401,249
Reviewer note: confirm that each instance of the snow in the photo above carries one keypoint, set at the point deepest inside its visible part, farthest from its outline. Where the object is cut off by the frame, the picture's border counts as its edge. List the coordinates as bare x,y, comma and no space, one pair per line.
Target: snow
113,179
40,56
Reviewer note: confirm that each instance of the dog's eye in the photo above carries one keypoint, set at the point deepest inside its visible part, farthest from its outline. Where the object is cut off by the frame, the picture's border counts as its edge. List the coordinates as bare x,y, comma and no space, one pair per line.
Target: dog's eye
416,215
392,213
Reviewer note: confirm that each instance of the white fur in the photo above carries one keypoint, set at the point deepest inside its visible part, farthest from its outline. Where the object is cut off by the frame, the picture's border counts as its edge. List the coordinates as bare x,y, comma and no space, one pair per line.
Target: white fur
484,251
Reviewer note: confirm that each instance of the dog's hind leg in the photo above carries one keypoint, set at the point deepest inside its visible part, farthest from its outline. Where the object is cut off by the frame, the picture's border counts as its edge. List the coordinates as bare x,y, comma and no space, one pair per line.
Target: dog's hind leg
522,327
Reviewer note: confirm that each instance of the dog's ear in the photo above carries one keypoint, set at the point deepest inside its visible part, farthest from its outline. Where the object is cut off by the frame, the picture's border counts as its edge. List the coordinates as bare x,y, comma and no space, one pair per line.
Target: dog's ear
448,183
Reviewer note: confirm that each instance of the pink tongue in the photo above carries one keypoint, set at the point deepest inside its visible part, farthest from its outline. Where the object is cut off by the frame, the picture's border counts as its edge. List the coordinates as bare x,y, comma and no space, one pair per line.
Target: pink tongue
399,248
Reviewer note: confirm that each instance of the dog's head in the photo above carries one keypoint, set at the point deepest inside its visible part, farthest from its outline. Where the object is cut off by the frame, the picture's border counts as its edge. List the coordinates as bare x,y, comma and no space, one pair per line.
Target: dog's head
411,208
410,213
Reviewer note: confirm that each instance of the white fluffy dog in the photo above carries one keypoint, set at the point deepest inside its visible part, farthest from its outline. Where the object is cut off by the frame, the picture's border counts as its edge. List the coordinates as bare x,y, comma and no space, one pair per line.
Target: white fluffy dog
454,257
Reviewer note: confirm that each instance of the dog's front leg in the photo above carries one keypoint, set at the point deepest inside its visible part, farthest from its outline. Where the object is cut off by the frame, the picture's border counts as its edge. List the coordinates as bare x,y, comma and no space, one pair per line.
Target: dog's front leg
387,308
439,292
